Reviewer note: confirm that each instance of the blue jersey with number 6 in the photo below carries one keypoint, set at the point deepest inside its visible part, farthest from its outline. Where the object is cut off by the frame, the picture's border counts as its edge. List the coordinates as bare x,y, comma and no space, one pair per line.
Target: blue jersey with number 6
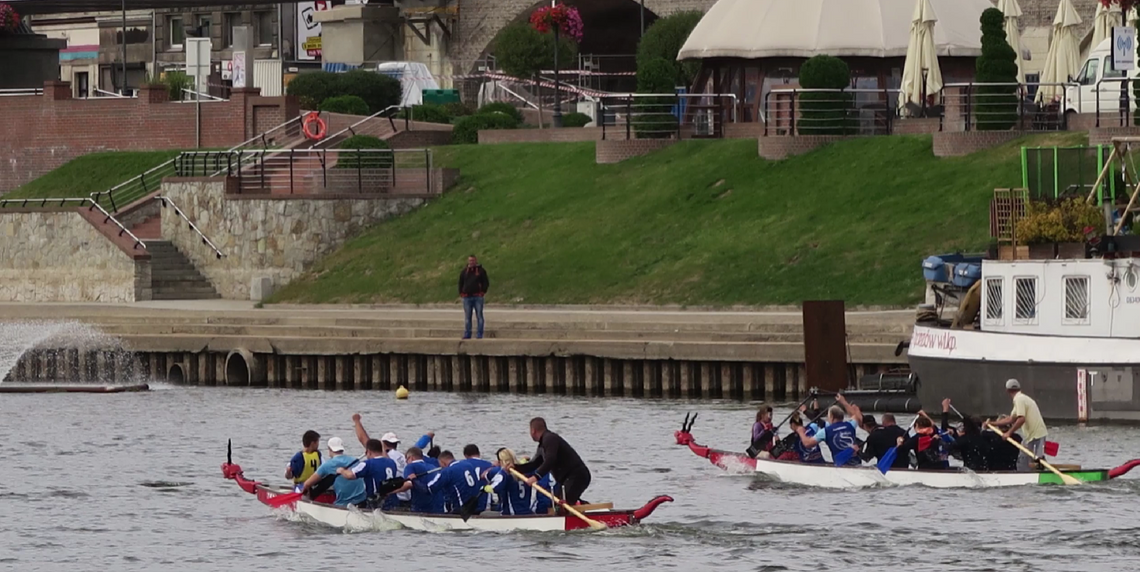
461,481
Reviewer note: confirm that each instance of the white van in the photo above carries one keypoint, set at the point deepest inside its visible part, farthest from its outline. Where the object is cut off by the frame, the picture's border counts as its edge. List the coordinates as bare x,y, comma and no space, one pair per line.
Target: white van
1092,78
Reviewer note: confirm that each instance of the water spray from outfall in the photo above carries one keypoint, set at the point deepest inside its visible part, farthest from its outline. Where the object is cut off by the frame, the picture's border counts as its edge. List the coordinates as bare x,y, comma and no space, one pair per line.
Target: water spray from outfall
64,351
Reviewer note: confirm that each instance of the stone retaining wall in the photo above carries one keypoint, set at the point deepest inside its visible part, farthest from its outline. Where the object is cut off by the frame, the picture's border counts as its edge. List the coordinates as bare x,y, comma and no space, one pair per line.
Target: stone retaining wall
57,255
617,151
277,237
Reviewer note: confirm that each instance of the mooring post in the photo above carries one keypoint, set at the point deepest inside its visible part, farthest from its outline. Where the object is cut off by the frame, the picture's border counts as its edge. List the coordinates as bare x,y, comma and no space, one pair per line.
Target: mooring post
494,373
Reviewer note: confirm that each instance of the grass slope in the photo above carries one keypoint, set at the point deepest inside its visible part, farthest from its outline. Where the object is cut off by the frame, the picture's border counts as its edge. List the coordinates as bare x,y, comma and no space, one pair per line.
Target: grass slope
91,173
699,223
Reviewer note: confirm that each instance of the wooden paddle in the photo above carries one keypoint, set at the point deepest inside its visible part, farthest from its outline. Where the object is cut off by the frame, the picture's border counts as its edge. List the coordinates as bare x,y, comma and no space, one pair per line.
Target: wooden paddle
595,525
1067,479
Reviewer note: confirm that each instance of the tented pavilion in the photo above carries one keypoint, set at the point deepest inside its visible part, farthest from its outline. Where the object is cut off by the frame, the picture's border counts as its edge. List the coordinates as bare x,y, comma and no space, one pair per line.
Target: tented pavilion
749,47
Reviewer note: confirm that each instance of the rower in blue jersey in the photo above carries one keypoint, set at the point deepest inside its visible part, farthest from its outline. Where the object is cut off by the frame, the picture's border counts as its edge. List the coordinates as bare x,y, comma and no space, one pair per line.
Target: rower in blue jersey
516,498
423,500
462,480
839,435
803,453
347,491
305,462
374,470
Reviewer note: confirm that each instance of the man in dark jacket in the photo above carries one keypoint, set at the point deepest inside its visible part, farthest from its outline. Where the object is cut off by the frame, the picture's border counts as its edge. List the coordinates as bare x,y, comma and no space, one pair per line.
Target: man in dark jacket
557,458
473,284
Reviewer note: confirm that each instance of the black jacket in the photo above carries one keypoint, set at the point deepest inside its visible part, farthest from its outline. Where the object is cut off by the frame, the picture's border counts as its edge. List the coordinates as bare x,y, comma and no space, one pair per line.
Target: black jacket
925,449
880,441
473,281
555,457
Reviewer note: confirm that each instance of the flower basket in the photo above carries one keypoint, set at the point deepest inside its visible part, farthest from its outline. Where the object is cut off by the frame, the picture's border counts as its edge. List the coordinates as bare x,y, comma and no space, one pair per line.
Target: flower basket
9,19
565,19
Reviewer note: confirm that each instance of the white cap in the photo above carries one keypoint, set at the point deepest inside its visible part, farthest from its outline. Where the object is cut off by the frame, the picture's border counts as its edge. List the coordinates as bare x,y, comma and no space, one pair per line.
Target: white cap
336,445
390,438
1012,384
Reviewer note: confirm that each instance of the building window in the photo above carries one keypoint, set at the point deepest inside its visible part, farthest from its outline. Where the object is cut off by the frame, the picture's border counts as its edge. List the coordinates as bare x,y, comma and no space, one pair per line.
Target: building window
1076,299
204,26
994,301
265,29
1025,311
230,21
177,32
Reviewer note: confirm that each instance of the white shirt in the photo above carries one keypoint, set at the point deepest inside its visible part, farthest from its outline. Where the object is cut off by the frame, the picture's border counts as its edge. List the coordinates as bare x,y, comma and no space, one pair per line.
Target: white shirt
401,463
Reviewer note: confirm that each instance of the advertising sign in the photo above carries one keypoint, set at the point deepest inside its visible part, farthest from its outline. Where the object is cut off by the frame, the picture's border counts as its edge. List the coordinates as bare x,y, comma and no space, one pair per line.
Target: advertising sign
1123,48
309,31
239,69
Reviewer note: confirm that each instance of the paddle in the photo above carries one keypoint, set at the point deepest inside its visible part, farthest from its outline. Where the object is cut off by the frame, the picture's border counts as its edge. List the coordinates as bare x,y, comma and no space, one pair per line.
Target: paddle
756,447
843,456
788,441
315,491
1052,448
595,525
1067,479
888,459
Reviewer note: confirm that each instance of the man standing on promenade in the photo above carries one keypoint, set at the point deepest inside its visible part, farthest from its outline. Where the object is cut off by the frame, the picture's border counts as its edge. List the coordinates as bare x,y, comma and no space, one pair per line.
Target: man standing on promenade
473,285
1027,417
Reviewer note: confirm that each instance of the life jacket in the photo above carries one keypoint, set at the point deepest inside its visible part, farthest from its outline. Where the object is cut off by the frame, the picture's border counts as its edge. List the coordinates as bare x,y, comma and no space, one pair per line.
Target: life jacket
841,436
807,455
312,461
928,452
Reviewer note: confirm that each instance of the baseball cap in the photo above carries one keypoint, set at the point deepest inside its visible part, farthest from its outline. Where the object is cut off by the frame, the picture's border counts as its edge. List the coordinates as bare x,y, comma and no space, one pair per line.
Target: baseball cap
336,445
1012,384
390,438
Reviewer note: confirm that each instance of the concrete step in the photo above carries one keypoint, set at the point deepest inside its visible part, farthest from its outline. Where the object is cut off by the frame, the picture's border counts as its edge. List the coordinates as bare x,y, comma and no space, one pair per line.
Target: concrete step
174,277
183,295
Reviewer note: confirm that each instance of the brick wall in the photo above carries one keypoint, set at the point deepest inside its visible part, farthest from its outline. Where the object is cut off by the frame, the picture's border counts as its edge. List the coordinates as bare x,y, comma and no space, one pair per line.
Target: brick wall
743,130
616,151
782,147
44,132
419,139
956,144
916,126
549,135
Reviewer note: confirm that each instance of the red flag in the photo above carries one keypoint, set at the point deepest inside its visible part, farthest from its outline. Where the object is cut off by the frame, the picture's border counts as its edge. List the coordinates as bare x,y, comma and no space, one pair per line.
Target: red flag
1052,448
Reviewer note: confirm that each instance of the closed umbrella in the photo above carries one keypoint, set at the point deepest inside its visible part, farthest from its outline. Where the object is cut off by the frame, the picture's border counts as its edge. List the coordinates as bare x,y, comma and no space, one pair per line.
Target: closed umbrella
1012,11
1106,20
921,59
1064,55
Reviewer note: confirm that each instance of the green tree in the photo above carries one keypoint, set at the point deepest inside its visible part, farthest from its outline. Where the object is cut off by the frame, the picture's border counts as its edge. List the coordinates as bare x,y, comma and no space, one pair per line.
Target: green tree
824,113
522,51
653,117
996,109
663,41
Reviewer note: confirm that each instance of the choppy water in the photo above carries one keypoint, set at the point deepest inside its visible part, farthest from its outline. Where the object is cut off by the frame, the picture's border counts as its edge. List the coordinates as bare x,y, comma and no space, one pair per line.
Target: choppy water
131,482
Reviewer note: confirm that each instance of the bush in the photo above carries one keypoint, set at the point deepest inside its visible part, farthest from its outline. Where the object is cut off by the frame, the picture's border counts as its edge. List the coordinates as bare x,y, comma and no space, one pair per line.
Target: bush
467,128
502,107
428,113
349,104
312,88
177,83
522,51
825,113
378,90
663,40
1064,221
996,109
575,120
653,117
364,160
458,109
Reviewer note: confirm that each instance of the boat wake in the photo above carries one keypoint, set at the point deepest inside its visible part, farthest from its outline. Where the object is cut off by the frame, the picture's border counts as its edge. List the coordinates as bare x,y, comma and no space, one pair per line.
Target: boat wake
27,340
20,337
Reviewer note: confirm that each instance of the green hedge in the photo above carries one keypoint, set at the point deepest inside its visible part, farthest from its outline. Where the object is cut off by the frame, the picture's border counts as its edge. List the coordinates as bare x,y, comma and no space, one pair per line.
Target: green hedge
825,113
364,160
349,104
575,120
428,113
377,90
467,128
504,108
997,104
653,117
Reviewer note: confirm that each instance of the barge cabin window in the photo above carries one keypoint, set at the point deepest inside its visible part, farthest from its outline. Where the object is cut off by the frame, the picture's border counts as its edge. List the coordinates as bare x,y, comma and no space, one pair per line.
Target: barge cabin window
995,302
1076,300
1025,311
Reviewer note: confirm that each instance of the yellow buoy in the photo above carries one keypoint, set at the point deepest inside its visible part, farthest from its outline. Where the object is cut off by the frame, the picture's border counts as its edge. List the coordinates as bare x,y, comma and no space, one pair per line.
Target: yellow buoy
401,392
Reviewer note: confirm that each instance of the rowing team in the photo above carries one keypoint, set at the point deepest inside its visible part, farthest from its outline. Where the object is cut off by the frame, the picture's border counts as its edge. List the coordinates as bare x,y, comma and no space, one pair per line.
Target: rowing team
929,447
435,482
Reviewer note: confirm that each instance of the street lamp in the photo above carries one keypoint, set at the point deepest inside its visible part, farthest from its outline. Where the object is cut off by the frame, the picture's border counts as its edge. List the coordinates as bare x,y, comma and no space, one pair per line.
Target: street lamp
556,119
123,90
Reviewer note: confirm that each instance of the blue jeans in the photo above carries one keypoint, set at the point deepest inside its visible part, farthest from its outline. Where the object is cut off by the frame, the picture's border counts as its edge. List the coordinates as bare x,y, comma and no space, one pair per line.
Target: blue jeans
472,303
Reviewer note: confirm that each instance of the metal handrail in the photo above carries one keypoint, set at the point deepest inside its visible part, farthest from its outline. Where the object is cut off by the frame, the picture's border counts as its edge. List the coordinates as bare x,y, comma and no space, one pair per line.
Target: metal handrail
104,93
1022,90
21,91
43,202
1096,91
261,136
122,229
201,95
140,179
735,99
352,128
891,110
166,201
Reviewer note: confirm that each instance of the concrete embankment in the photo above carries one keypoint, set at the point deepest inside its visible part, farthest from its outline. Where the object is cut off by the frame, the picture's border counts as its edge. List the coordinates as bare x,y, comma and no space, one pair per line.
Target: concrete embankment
631,352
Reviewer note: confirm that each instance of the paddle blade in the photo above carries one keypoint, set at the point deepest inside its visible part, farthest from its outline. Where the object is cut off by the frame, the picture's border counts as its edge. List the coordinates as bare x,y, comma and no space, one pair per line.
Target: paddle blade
389,486
887,460
468,509
1052,448
282,500
841,458
230,451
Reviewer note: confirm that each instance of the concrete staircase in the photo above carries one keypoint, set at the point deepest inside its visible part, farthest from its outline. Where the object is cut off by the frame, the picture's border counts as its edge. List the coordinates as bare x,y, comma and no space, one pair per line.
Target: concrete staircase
149,229
173,276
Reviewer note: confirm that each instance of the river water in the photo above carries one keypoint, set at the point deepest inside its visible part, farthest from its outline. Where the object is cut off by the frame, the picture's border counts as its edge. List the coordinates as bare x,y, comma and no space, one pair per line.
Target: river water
131,482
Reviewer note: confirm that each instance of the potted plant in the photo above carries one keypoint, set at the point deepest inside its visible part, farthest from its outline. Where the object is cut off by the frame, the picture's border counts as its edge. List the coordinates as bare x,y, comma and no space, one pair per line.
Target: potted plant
1057,230
9,19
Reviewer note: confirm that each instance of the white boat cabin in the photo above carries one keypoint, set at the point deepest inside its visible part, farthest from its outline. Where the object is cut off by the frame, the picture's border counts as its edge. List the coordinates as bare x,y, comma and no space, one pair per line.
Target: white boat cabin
1087,298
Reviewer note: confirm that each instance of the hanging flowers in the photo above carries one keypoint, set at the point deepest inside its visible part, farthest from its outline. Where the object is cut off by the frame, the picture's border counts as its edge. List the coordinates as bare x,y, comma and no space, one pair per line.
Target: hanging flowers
566,18
9,19
1125,5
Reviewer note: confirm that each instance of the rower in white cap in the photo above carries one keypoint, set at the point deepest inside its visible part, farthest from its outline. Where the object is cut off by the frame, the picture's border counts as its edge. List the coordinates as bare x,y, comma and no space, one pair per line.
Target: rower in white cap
391,449
1025,416
347,491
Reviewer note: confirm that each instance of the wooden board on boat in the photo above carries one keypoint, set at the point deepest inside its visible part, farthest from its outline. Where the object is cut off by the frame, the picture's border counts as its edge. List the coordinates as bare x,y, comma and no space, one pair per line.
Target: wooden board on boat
22,388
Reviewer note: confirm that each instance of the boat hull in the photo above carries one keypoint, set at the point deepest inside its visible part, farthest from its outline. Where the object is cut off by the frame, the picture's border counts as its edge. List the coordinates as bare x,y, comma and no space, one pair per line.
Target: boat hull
971,368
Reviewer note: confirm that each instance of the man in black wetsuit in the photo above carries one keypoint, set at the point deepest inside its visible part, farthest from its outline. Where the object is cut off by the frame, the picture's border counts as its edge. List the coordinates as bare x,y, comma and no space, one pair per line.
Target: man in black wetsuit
557,458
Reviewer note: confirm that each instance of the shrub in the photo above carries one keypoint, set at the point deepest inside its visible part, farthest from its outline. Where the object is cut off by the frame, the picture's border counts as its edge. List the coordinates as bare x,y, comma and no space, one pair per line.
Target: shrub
349,104
467,128
176,83
997,104
364,160
575,120
1064,221
824,113
653,117
428,113
663,40
312,88
458,109
378,90
502,107
522,51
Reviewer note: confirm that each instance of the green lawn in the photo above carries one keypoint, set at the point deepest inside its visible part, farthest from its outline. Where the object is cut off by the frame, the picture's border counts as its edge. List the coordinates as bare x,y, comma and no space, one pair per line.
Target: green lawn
699,223
92,173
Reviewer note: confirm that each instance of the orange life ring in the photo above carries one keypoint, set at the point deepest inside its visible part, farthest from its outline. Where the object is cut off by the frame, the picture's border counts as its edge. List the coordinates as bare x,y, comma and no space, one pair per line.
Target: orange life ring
314,118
